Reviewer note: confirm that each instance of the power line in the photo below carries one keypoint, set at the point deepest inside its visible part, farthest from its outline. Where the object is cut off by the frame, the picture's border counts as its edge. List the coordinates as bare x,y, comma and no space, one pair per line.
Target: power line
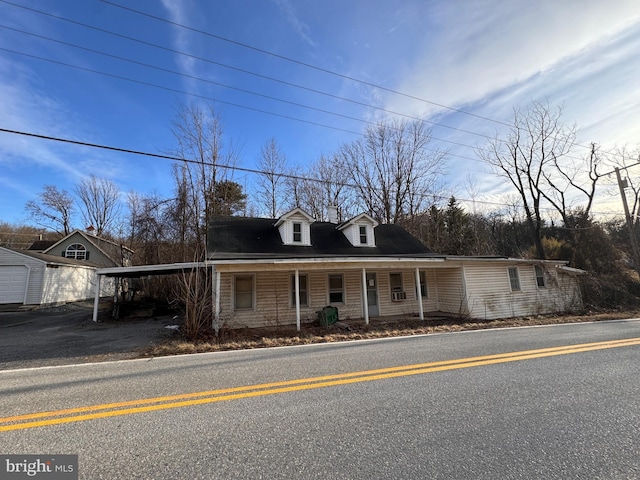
224,102
205,80
236,168
298,62
231,67
153,45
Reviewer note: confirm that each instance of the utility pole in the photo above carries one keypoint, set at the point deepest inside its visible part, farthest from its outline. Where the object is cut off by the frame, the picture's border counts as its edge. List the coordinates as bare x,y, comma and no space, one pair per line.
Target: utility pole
622,184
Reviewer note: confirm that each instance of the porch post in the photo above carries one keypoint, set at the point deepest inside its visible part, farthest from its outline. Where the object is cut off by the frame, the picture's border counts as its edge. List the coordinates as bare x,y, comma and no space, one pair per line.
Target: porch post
297,283
365,297
419,293
217,295
96,298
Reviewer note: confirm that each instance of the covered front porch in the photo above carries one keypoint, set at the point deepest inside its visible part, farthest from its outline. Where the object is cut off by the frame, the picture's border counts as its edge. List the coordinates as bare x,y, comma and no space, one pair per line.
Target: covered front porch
286,292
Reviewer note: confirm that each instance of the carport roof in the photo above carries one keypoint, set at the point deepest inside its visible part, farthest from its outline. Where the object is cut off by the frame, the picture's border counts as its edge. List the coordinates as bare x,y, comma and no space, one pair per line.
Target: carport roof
146,270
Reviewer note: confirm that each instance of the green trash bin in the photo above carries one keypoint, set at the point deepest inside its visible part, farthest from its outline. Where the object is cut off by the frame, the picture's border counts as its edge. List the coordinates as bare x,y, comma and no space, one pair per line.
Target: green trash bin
328,316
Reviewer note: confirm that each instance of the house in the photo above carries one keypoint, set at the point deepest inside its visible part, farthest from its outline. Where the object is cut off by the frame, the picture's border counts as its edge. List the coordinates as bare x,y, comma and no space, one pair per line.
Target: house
50,273
283,271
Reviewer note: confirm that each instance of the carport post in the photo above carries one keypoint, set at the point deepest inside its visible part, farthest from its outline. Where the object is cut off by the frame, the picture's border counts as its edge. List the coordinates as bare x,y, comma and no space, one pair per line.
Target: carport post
96,298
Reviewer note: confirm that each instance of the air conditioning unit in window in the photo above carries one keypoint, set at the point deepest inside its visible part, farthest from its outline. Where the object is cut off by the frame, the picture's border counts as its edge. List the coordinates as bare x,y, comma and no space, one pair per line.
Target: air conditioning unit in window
398,296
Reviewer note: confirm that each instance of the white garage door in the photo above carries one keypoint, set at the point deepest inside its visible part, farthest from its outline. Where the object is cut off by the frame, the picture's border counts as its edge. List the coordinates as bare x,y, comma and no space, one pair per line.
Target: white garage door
13,284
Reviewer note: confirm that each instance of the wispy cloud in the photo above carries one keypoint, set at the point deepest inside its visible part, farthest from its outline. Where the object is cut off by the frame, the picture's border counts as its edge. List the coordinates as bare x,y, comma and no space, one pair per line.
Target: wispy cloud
300,27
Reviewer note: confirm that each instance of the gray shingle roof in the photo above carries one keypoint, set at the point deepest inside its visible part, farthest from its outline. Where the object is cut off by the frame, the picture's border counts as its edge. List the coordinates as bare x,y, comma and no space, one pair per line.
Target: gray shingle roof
246,237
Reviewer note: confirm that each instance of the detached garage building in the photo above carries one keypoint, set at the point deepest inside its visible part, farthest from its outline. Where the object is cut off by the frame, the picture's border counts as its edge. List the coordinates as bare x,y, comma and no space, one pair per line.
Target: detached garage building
51,272
34,278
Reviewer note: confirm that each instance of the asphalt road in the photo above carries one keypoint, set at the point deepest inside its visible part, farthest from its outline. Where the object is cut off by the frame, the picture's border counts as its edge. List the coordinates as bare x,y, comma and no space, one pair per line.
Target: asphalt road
483,410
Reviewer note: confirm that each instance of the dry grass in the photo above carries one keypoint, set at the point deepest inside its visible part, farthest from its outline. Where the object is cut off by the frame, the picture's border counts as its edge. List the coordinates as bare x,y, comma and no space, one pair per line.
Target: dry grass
241,339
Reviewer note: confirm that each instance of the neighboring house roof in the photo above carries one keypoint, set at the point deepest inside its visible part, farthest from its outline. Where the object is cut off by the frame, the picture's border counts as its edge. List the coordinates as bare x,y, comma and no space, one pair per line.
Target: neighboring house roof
42,245
53,259
246,237
112,250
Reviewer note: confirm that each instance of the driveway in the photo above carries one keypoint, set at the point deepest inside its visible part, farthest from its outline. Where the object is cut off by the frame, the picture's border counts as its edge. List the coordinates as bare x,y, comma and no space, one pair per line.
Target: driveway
67,335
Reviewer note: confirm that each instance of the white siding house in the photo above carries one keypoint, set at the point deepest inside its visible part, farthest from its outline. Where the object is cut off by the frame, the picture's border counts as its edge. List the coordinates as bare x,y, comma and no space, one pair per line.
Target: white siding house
367,270
33,278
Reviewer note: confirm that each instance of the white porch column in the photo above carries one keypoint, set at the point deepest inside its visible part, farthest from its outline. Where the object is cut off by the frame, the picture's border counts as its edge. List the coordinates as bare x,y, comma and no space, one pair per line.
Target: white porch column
419,294
217,295
365,297
96,298
297,282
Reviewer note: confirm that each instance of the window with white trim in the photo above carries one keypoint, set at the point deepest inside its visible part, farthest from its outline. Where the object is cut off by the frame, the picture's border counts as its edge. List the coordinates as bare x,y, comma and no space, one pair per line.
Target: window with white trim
303,290
514,279
424,290
363,235
336,288
297,232
540,280
395,281
243,292
77,251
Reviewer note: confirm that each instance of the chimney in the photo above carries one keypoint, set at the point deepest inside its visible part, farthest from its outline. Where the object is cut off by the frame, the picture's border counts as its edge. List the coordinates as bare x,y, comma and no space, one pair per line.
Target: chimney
333,214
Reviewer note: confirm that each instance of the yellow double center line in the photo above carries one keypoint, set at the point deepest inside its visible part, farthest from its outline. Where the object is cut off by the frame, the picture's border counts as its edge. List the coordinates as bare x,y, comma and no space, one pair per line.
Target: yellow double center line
79,414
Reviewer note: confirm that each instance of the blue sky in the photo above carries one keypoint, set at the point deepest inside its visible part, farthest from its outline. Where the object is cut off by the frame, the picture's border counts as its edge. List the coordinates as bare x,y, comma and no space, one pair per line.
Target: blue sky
480,57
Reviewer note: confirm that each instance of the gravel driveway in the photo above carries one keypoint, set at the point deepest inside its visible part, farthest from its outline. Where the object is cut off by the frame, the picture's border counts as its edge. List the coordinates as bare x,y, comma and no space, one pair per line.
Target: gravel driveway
67,335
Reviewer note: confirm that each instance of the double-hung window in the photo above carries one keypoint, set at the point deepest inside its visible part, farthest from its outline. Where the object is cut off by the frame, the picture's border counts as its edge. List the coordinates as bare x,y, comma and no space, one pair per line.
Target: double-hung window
303,290
363,235
243,297
297,232
514,279
424,291
336,288
540,281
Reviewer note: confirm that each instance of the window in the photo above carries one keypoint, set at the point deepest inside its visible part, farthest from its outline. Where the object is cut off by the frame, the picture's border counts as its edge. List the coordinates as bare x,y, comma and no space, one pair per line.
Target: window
424,291
297,232
514,279
336,288
363,235
540,276
77,251
395,280
304,295
243,292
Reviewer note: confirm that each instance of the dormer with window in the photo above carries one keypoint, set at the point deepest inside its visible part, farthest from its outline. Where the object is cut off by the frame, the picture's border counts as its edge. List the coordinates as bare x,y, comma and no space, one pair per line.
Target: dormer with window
360,230
295,227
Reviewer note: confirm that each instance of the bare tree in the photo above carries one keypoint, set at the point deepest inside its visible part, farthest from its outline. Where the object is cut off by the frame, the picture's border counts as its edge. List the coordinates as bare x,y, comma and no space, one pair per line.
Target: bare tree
327,184
53,210
394,169
207,161
531,157
271,182
100,198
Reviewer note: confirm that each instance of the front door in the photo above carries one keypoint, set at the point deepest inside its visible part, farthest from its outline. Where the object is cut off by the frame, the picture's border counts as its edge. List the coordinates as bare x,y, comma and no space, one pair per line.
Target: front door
372,295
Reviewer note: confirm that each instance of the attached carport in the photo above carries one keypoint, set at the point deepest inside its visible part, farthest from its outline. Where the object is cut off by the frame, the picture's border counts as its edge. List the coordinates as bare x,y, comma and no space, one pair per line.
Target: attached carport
138,272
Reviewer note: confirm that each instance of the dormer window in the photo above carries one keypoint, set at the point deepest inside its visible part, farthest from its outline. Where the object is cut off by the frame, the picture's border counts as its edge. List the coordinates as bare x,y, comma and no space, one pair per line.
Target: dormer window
297,232
360,230
295,227
77,251
363,235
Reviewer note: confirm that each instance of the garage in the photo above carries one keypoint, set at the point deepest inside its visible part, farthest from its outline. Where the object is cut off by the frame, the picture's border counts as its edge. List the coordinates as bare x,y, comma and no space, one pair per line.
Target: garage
13,283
